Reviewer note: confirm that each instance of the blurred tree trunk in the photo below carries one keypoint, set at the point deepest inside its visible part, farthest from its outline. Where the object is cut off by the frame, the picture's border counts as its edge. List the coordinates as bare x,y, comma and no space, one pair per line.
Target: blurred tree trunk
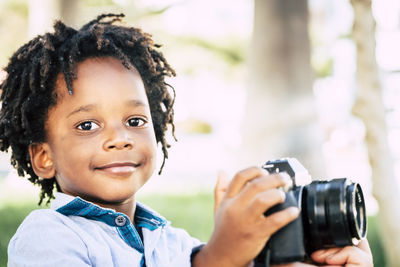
280,114
370,108
42,14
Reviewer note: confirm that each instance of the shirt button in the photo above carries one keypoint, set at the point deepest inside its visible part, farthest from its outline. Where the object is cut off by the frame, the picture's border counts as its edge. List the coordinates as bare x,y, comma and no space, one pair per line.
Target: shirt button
120,220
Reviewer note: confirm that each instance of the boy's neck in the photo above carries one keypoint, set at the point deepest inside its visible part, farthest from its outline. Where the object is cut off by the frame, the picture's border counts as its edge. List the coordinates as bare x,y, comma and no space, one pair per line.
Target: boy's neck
128,207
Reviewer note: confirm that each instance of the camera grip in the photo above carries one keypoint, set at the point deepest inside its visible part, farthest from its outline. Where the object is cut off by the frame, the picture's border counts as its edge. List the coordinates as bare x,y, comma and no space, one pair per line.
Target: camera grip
287,244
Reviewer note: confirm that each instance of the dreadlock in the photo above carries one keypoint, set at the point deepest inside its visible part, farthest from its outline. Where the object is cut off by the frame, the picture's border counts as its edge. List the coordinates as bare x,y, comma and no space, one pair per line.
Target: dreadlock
28,92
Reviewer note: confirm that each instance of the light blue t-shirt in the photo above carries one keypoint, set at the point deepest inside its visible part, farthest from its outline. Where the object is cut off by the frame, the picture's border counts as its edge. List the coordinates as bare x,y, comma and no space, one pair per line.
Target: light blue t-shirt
74,233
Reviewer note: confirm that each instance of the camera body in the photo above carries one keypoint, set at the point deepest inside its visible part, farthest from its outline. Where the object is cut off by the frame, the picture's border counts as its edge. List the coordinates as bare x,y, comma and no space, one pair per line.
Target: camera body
332,214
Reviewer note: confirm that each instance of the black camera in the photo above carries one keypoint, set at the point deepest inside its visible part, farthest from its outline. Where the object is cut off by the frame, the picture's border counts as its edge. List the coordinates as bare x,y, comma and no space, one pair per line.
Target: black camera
332,214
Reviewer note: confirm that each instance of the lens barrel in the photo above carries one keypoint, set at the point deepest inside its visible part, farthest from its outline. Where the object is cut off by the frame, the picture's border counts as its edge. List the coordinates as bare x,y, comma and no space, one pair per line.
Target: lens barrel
333,214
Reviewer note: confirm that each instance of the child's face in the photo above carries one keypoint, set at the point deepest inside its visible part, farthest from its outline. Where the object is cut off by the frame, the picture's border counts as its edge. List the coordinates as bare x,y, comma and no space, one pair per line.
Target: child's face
100,139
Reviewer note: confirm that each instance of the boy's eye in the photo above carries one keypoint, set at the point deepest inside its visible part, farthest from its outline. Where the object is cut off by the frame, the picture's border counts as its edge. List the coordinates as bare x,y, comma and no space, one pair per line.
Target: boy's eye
135,122
87,126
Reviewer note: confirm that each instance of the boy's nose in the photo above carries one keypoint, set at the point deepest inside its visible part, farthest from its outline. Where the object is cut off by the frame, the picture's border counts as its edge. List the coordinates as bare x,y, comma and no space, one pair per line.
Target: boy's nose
118,138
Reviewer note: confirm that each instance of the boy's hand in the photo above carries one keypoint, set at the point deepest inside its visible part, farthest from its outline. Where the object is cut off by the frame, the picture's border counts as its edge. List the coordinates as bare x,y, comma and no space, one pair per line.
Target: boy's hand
350,256
241,228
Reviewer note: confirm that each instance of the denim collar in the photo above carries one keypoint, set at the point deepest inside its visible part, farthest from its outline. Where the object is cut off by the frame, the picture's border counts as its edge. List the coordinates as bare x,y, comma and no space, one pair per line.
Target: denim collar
144,217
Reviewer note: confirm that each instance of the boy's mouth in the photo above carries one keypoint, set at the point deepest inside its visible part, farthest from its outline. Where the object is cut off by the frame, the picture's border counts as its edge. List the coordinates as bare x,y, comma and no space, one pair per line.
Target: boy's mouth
118,167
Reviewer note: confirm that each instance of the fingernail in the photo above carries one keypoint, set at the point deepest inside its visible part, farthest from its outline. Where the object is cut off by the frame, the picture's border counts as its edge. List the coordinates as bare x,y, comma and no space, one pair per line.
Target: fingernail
283,195
286,178
294,211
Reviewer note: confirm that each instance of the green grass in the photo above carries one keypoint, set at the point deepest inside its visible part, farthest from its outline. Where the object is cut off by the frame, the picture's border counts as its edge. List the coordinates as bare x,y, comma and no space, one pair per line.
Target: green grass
191,212
194,213
11,216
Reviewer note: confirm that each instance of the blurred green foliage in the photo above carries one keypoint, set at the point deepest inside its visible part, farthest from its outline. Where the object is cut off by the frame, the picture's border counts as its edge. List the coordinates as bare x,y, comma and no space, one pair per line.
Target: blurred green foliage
194,213
231,51
375,241
322,67
20,7
11,216
13,27
97,3
193,126
191,212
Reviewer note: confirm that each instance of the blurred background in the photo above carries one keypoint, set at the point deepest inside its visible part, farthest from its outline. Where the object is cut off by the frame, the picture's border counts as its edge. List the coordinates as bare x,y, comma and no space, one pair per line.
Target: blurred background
256,80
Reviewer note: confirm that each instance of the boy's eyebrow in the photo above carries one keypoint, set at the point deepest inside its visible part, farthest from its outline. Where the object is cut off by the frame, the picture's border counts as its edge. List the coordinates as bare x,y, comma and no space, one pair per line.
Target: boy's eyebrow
136,103
86,108
82,108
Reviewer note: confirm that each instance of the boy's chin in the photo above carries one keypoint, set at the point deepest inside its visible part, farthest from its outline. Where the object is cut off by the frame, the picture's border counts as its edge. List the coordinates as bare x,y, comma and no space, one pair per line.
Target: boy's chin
111,199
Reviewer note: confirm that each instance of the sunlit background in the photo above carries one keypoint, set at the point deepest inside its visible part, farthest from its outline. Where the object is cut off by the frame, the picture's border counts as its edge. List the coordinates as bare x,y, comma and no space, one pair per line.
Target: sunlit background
209,44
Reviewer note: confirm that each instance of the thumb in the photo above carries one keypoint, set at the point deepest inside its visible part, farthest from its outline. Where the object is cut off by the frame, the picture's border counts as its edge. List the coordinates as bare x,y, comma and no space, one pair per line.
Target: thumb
220,188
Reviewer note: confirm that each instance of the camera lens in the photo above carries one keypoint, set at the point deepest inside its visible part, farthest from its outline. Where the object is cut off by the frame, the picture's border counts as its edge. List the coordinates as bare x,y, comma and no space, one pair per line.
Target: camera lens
356,211
333,213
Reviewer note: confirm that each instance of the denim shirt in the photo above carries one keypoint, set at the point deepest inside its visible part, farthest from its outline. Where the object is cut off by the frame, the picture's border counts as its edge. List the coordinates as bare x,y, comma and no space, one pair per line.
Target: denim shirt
74,232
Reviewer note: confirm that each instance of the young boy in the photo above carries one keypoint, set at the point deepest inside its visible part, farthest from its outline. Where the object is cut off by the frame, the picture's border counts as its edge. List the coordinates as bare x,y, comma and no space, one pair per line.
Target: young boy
83,111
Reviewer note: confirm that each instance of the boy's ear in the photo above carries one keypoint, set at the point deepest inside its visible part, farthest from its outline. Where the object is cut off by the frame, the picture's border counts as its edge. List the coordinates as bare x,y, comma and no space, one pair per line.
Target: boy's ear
41,161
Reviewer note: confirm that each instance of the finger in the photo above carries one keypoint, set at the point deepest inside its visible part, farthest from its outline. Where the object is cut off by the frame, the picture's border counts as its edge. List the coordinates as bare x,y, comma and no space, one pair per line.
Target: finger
295,264
321,255
350,255
279,219
242,177
301,264
265,200
220,189
364,246
261,184
343,256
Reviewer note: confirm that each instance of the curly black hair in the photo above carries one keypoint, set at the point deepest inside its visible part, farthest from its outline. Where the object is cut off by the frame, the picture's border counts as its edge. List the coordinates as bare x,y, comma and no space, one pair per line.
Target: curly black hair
28,91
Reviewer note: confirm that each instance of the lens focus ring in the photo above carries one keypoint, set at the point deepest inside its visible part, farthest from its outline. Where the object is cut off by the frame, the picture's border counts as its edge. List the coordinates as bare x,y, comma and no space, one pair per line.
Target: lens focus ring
335,213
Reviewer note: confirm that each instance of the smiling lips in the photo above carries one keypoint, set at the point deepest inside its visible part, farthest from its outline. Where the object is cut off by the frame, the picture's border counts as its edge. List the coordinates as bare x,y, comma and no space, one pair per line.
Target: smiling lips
118,168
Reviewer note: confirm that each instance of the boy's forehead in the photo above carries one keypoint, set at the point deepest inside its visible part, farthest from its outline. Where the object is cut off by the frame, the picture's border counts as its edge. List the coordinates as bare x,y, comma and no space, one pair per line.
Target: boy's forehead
90,67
